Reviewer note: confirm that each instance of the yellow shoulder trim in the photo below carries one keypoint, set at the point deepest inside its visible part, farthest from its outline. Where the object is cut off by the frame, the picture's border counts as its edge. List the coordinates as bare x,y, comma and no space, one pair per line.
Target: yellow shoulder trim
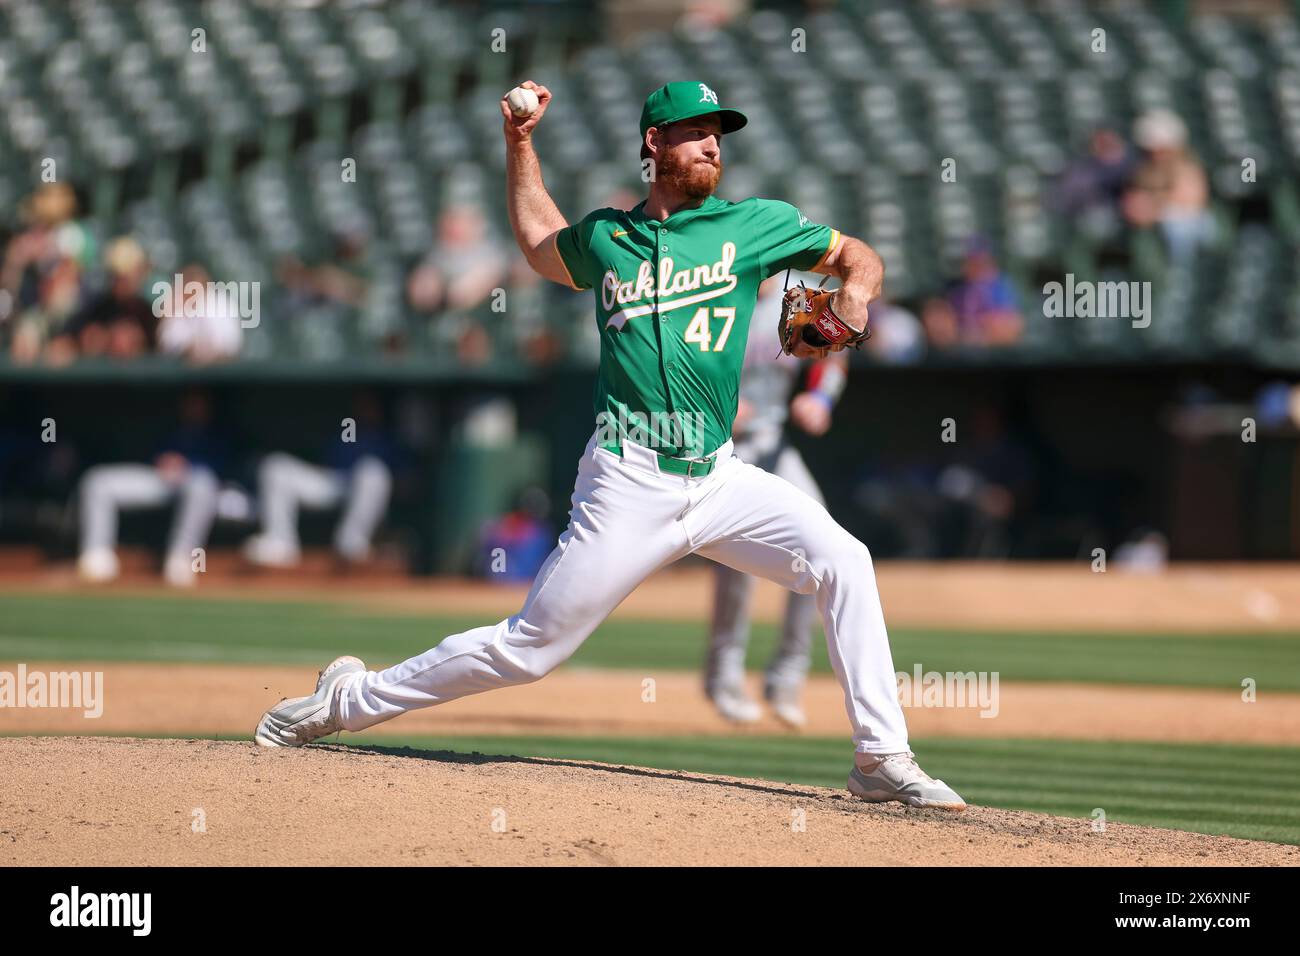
834,244
555,241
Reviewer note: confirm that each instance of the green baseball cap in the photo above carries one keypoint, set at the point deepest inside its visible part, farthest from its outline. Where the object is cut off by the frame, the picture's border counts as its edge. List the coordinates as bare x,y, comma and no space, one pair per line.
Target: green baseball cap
686,100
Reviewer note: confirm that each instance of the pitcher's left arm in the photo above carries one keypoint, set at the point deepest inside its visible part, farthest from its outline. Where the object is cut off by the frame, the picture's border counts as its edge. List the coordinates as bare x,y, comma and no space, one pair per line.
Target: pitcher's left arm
861,272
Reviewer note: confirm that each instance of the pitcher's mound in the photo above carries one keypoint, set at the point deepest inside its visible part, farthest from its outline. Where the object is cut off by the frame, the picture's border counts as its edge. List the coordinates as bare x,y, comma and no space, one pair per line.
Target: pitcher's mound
124,801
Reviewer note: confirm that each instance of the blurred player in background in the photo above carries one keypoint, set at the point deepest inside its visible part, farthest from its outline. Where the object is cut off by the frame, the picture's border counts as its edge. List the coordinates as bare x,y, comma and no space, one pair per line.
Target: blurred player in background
759,432
185,472
357,476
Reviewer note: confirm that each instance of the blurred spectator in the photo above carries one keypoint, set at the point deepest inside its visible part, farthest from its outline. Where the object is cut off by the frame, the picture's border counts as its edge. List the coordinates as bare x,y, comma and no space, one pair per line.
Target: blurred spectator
41,271
515,546
185,472
981,309
1170,189
357,475
206,329
1092,187
460,272
325,300
118,321
1277,405
463,267
341,280
706,16
897,335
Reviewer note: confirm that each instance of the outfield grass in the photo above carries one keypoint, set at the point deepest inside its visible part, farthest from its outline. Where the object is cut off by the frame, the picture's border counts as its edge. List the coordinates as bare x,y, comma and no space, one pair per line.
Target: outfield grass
184,628
1249,792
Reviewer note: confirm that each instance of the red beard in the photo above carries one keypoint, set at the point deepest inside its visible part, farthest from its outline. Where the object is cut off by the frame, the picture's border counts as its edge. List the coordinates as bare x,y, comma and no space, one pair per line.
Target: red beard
694,179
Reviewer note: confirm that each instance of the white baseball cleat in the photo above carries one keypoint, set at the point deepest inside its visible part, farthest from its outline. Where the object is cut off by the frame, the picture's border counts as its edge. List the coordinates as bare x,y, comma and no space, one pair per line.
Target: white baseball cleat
897,777
353,550
178,571
734,704
98,566
271,552
300,720
786,705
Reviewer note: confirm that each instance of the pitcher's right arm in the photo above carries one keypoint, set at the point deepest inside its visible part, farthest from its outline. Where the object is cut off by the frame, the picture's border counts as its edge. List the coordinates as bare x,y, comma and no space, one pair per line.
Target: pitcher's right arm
534,217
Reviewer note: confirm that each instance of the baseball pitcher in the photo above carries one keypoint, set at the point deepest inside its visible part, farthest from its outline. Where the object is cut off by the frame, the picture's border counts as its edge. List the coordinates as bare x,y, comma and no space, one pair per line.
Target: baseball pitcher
674,281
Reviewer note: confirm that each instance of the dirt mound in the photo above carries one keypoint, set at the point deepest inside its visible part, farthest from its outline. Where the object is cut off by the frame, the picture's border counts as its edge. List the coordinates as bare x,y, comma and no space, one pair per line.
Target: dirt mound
123,801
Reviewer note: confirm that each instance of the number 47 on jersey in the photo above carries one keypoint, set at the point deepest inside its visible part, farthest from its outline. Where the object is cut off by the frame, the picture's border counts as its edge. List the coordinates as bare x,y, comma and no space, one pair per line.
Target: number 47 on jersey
699,330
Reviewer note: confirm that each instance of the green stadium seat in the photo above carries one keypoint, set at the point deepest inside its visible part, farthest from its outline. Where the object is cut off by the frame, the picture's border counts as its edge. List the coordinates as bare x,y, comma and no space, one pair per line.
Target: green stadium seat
233,155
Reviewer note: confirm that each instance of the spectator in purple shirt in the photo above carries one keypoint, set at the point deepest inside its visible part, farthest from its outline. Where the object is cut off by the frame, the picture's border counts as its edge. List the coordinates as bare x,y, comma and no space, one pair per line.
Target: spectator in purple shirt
982,309
1092,187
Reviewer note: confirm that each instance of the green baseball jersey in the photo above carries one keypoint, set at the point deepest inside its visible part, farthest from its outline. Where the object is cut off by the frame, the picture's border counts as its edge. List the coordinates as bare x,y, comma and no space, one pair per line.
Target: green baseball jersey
673,303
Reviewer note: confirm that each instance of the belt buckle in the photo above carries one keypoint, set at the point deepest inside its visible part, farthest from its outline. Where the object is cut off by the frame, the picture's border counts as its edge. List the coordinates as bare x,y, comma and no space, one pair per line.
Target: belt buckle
692,462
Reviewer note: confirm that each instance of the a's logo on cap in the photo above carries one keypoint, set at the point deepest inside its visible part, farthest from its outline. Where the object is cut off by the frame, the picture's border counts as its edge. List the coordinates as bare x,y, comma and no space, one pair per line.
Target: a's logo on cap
707,95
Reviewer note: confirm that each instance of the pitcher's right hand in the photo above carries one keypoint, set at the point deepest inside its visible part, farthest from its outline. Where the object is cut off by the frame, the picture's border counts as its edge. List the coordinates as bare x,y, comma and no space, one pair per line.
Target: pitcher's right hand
520,128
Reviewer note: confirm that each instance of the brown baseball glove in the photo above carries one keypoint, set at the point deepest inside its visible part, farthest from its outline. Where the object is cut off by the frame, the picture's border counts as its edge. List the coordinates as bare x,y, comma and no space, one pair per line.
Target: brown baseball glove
807,316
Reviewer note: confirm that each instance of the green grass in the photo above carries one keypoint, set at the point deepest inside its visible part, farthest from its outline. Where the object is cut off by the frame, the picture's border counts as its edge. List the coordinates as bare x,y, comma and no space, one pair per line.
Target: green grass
184,628
1249,792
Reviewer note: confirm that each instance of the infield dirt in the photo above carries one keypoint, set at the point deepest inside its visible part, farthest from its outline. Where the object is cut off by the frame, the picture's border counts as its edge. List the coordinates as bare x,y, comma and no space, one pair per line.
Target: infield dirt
121,801
227,699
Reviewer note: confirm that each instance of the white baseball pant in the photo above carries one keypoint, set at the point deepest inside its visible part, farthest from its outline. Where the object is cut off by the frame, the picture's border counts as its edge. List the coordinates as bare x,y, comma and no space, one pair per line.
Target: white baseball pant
628,520
107,490
733,591
286,483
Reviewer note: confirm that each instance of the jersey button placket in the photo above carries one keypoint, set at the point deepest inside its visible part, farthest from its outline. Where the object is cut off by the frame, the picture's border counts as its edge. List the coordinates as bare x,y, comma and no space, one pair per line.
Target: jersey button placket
663,247
666,345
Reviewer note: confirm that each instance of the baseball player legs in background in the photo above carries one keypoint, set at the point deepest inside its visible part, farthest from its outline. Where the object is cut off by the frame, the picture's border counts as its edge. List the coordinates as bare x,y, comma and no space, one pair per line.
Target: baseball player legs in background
361,488
356,477
759,434
184,473
675,280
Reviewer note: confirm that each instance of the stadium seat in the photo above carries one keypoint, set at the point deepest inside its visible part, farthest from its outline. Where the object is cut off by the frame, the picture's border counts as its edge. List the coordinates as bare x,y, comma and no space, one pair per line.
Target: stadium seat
232,154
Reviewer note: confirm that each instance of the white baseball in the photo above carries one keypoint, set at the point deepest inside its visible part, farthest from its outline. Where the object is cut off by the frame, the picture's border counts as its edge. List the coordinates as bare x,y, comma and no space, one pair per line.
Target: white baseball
522,102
